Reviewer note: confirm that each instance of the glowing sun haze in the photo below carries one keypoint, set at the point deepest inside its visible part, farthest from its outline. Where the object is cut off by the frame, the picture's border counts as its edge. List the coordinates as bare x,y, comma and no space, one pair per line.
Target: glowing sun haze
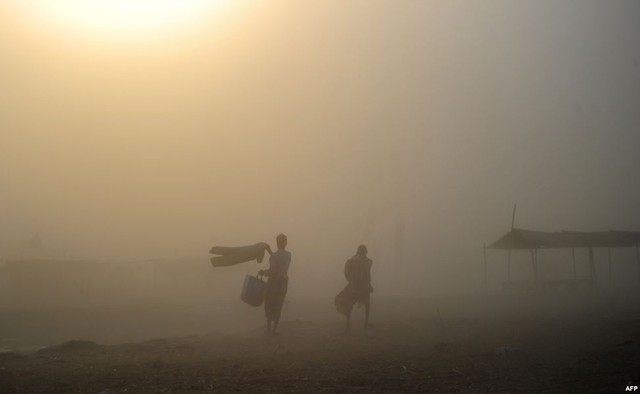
124,17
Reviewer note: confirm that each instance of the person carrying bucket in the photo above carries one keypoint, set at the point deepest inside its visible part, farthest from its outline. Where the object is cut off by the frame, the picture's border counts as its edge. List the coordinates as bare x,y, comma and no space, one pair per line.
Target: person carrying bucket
277,284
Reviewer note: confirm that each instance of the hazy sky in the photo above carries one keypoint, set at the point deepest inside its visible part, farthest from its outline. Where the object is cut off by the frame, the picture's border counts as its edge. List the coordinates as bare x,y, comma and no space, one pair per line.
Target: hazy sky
308,117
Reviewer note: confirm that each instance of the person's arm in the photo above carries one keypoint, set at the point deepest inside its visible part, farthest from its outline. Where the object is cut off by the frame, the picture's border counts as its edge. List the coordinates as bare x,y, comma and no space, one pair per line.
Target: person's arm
266,272
266,247
272,265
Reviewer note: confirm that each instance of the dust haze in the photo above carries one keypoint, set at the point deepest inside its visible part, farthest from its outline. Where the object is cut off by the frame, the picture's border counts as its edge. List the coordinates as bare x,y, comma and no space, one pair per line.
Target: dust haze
410,126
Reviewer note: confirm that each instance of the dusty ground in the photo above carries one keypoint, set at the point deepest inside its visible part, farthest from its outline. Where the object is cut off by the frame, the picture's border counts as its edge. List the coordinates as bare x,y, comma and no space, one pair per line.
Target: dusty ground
432,347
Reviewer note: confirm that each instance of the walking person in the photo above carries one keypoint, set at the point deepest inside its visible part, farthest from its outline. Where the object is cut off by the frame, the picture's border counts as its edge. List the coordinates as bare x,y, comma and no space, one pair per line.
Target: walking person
357,271
277,284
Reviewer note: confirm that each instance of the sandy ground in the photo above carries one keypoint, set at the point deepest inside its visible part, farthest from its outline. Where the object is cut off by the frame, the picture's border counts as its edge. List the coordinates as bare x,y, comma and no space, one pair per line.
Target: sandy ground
464,345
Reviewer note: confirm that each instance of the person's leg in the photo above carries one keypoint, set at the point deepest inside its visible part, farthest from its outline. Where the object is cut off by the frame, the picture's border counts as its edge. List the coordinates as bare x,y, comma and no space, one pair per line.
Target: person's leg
278,303
276,315
367,308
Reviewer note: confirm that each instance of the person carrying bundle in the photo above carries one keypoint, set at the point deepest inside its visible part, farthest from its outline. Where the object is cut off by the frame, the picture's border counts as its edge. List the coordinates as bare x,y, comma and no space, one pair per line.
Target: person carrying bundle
357,271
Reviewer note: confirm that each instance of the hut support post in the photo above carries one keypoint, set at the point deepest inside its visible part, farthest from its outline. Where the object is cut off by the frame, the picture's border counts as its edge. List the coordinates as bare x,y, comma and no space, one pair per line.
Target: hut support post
484,259
513,221
609,258
592,268
573,253
638,257
399,258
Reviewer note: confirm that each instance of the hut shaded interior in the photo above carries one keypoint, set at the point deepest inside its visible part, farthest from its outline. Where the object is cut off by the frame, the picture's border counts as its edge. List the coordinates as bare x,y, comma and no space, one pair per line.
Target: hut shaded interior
533,241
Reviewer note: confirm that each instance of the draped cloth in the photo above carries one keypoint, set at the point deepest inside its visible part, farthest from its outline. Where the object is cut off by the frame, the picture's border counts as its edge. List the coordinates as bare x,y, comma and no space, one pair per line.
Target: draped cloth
238,254
277,284
274,297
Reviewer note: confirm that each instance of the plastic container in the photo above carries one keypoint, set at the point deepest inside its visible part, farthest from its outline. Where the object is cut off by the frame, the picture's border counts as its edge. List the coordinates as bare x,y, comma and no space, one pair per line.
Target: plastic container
253,290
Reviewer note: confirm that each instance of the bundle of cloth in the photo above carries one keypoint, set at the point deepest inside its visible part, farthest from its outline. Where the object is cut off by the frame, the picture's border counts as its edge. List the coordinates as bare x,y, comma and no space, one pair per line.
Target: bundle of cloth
357,271
232,255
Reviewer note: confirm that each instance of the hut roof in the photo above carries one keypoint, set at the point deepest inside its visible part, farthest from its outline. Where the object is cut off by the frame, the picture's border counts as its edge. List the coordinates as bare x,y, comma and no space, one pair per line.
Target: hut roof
528,239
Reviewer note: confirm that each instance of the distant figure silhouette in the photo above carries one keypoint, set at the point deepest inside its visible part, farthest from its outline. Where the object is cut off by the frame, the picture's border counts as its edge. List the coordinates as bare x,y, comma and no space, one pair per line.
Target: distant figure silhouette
277,283
357,270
